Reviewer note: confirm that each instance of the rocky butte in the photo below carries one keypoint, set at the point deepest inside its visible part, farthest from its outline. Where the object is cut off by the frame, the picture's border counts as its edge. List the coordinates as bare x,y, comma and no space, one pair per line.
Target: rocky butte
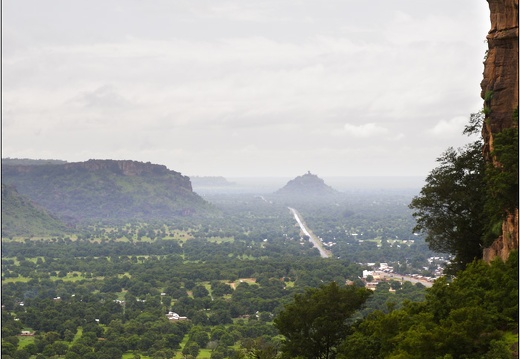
500,94
307,185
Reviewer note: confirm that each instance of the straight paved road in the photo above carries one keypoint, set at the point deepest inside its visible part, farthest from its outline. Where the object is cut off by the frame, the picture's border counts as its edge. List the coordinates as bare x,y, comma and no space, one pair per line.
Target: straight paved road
312,238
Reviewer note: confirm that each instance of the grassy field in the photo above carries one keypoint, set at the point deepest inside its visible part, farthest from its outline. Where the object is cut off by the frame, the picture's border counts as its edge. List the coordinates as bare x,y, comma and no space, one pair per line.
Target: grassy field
220,239
176,234
131,356
179,235
203,354
24,341
71,277
15,280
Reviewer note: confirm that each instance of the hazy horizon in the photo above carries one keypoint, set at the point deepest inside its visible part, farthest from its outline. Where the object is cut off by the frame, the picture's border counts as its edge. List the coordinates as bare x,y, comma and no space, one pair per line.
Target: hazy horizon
344,184
243,89
272,180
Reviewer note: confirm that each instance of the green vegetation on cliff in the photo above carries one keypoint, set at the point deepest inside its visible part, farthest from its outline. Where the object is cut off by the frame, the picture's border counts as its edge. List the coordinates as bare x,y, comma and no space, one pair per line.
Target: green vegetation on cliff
107,190
450,207
21,217
502,180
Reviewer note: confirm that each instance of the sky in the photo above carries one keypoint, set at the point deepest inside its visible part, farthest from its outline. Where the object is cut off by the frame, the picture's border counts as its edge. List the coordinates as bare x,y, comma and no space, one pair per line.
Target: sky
243,88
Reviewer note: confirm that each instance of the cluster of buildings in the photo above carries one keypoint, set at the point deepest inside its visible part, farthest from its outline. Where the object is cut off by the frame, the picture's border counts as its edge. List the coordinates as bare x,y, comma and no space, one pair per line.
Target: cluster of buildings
385,272
172,316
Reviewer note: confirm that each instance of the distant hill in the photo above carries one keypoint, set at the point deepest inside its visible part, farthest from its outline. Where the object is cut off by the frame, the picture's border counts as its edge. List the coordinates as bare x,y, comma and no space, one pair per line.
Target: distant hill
21,217
305,186
107,189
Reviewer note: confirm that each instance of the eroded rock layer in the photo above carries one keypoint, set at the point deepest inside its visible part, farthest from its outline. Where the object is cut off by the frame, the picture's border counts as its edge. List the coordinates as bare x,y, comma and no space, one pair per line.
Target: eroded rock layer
500,94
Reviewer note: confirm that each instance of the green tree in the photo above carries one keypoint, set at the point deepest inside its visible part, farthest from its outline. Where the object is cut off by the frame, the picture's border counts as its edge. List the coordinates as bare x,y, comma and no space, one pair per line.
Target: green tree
191,348
8,348
60,347
498,350
466,318
502,181
199,336
260,348
227,340
21,354
450,207
199,291
317,320
395,285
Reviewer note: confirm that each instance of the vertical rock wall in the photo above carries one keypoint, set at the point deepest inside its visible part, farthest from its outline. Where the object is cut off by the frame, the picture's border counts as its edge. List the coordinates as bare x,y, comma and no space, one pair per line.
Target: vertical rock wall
500,94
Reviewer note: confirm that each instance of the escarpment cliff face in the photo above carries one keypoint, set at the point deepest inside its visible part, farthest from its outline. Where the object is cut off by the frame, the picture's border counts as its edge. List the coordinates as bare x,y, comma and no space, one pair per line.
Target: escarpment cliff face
127,168
500,94
107,189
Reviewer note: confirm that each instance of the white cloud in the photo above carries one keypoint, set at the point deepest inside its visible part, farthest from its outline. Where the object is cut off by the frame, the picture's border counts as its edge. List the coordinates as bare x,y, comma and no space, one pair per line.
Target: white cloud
231,10
178,77
103,98
364,131
449,128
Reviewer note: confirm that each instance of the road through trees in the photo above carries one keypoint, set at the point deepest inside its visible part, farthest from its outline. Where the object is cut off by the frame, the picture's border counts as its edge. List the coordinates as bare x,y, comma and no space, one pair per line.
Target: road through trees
312,238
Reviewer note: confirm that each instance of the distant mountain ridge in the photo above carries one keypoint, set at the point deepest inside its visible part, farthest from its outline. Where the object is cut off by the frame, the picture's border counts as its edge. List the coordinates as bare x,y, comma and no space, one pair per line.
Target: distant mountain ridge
307,185
107,189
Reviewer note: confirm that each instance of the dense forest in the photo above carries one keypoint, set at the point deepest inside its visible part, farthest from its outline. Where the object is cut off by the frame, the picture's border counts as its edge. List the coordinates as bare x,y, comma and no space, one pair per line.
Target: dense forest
97,291
228,286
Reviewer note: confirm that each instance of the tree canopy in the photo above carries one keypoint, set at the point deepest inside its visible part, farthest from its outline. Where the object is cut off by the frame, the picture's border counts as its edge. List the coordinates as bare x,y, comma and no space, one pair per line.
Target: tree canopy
450,207
317,320
474,316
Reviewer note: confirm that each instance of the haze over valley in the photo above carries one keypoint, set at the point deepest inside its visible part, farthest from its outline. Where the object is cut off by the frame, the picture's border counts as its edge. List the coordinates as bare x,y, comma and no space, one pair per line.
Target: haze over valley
260,179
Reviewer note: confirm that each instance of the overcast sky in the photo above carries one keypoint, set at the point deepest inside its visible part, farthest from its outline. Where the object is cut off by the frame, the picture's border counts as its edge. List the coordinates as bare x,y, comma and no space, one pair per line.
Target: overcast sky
243,87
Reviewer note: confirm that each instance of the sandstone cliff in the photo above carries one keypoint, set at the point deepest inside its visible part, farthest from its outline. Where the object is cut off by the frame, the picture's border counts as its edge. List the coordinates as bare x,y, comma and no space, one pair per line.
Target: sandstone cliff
107,189
125,167
500,94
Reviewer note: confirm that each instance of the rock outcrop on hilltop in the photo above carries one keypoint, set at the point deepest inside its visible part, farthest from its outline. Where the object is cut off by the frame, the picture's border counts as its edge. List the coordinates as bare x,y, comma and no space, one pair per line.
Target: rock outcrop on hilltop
500,94
107,189
125,167
307,185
